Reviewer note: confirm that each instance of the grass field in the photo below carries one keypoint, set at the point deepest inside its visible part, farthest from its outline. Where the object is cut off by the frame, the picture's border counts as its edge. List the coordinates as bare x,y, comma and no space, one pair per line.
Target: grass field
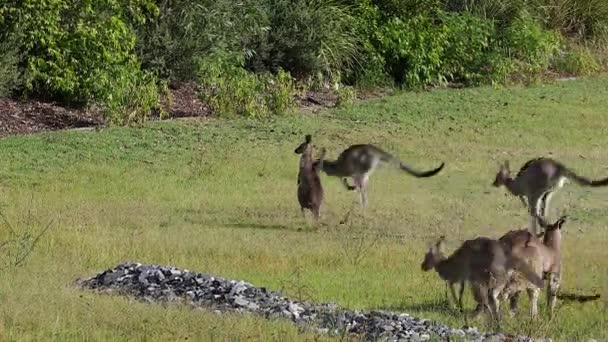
219,197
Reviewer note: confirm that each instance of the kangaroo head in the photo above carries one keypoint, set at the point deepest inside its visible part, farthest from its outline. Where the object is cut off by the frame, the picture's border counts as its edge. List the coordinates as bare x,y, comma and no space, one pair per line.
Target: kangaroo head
502,175
300,149
434,255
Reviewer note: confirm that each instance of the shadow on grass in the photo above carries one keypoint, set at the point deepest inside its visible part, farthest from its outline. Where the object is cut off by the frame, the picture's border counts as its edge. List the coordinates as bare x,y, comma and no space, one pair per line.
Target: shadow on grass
253,225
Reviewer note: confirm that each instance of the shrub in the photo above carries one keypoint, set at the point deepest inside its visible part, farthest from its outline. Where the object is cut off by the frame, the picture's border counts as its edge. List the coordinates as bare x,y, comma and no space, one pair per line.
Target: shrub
368,71
131,95
10,74
413,50
531,46
82,52
345,96
576,60
307,38
187,30
469,43
231,90
408,8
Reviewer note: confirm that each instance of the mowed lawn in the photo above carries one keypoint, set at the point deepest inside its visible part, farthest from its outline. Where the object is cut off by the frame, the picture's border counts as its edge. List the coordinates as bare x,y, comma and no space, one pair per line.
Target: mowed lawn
219,196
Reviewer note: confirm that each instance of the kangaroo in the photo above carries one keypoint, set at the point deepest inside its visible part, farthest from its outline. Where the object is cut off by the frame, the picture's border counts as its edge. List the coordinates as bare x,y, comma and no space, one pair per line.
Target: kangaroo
310,190
484,263
546,256
360,161
537,181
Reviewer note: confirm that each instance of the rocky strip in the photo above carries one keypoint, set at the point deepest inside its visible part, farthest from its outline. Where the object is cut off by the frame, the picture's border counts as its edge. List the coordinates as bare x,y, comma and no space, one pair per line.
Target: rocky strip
158,283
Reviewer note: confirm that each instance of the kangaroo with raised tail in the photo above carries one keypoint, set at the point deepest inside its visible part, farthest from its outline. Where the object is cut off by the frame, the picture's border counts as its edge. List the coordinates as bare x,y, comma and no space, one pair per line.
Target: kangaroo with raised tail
545,255
360,161
310,190
484,263
537,181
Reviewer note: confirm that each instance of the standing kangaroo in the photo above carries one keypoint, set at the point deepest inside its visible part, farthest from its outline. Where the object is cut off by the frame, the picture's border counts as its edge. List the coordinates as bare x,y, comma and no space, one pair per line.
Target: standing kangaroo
546,257
537,181
310,190
484,263
360,161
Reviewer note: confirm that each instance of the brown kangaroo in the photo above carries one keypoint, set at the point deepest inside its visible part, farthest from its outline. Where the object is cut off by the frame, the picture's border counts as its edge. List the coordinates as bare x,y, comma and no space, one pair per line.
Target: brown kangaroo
537,181
484,263
360,161
545,256
310,190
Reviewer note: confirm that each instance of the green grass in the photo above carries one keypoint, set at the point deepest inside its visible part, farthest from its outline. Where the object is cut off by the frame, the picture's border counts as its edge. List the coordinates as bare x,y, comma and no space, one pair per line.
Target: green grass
219,196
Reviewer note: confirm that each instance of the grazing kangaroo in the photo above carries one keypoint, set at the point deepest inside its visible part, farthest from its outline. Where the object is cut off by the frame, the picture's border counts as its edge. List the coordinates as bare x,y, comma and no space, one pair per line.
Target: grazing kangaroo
360,161
310,191
537,181
546,256
484,263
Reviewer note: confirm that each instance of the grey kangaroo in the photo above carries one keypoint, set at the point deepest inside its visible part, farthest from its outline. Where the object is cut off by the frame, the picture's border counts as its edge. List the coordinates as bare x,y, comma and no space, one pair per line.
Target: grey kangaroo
483,262
537,181
310,190
360,161
545,253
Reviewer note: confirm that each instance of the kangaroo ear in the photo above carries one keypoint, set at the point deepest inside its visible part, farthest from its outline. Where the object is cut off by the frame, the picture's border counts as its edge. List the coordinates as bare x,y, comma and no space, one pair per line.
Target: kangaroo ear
440,243
308,138
561,221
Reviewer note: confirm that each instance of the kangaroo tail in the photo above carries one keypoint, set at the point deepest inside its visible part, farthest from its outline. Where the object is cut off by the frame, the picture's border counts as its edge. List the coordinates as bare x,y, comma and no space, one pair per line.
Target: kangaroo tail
522,267
584,181
387,157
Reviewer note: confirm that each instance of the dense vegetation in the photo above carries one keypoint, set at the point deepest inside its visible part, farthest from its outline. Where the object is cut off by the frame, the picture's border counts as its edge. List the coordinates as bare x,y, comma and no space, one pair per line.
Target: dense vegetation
250,57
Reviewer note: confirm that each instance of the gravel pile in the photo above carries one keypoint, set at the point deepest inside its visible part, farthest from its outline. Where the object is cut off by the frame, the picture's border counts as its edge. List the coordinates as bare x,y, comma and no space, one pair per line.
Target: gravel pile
158,283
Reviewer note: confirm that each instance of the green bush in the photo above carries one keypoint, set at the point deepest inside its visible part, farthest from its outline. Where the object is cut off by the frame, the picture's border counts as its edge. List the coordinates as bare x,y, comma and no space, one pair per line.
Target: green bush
187,30
368,71
10,74
470,41
345,96
82,52
408,8
307,38
576,60
231,90
530,46
586,19
413,50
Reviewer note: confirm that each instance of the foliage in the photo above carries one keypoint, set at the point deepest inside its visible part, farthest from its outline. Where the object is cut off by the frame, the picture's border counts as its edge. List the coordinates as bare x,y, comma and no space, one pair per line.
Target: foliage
307,38
232,90
187,30
576,60
76,51
470,41
345,96
369,70
531,46
131,95
584,19
413,50
10,73
407,8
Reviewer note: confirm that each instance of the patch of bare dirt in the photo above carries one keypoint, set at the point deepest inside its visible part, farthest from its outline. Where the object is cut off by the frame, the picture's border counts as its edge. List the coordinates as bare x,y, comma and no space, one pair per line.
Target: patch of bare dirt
26,117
